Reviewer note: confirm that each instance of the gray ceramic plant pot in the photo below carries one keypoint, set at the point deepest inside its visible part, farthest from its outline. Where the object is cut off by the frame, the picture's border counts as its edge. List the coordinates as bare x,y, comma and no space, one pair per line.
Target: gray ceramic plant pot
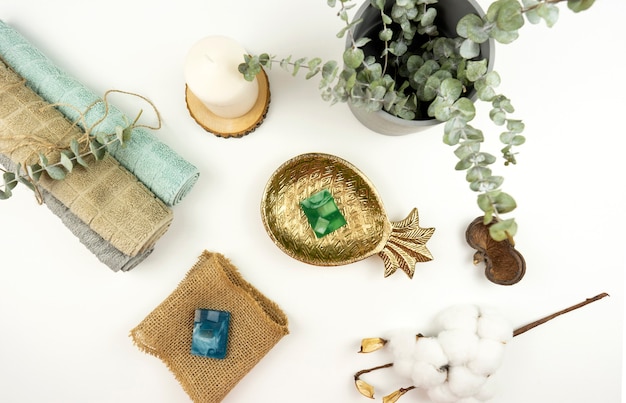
449,12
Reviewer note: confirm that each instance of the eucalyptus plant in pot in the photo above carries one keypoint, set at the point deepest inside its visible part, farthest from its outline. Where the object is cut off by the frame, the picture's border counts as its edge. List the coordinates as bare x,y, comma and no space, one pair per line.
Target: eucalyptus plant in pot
424,62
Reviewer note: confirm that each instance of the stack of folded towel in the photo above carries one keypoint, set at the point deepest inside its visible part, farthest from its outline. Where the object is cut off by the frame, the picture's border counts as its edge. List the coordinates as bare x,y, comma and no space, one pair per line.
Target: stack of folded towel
118,206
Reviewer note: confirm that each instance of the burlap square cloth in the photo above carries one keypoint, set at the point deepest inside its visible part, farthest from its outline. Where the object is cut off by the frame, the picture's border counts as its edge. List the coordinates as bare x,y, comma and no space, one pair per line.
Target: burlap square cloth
256,325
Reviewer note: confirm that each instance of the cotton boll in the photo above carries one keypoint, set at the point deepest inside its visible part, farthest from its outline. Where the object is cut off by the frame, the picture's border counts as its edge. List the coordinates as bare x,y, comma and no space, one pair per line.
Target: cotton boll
426,376
403,366
492,325
488,390
463,382
468,400
460,346
488,357
401,342
458,317
428,349
442,394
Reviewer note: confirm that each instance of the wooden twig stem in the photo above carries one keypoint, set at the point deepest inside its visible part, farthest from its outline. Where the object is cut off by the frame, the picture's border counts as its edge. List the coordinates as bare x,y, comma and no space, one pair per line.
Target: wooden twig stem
536,323
365,371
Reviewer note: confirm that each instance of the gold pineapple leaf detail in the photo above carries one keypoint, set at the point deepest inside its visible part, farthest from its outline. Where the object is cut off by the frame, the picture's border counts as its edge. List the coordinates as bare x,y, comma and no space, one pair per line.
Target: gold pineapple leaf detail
372,344
406,245
364,388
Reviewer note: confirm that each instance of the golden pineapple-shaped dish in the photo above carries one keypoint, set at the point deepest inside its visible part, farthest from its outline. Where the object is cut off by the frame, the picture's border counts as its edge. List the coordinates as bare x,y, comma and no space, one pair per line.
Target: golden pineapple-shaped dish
321,210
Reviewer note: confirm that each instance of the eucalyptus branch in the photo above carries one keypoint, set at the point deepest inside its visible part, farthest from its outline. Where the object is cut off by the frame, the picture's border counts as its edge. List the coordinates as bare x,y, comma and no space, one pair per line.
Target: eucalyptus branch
421,74
96,145
29,174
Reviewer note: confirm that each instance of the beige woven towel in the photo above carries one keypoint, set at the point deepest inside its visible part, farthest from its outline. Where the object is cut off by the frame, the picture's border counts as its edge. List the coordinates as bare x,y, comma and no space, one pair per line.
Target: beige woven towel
256,325
104,195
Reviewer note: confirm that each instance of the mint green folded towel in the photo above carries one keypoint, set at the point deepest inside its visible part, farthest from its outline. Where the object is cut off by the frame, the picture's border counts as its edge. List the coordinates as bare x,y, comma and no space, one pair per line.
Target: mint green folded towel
156,165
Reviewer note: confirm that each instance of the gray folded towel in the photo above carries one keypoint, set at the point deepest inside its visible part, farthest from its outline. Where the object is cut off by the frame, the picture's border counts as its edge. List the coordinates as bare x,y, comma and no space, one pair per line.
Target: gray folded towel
103,250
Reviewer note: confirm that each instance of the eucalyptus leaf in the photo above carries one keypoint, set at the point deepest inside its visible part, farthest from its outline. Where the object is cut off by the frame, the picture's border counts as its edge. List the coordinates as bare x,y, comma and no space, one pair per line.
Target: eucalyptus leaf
353,57
518,140
25,181
66,160
502,230
477,173
484,202
398,48
385,35
9,180
530,13
429,16
360,42
126,135
509,17
463,164
486,94
55,172
452,137
476,69
504,203
469,49
451,88
431,88
549,13
97,149
515,125
532,16
579,5
492,79
265,60
487,184
444,48
497,116
503,36
312,73
43,160
75,148
472,27
329,70
102,138
34,171
119,133
465,108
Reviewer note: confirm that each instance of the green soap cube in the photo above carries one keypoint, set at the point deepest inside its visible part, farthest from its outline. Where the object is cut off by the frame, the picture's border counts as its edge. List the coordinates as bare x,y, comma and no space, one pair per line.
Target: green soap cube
322,213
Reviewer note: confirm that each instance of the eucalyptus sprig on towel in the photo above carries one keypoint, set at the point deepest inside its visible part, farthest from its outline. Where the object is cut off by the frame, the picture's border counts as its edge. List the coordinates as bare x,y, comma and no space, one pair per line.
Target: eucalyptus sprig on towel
91,146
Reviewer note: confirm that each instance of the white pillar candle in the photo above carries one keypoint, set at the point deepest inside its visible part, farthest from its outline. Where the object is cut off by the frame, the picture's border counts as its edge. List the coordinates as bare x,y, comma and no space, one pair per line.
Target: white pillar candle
211,74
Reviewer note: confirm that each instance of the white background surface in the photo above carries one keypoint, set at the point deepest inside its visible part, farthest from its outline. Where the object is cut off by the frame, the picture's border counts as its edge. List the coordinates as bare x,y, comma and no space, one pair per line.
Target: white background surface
65,317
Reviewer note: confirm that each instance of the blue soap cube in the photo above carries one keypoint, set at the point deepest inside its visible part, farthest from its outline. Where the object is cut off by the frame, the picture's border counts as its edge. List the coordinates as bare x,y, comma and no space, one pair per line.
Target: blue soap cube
210,333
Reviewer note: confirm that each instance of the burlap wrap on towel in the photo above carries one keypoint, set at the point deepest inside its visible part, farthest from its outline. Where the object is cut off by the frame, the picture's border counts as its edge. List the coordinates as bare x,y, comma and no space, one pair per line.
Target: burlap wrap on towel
257,324
155,164
104,195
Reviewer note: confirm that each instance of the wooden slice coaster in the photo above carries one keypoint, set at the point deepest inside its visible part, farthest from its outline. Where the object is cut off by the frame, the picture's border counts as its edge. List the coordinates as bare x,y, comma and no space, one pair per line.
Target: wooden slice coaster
231,127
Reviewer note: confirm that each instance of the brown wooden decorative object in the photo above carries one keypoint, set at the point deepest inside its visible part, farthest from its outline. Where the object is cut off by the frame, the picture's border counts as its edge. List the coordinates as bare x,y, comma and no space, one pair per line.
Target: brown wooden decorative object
231,127
504,265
